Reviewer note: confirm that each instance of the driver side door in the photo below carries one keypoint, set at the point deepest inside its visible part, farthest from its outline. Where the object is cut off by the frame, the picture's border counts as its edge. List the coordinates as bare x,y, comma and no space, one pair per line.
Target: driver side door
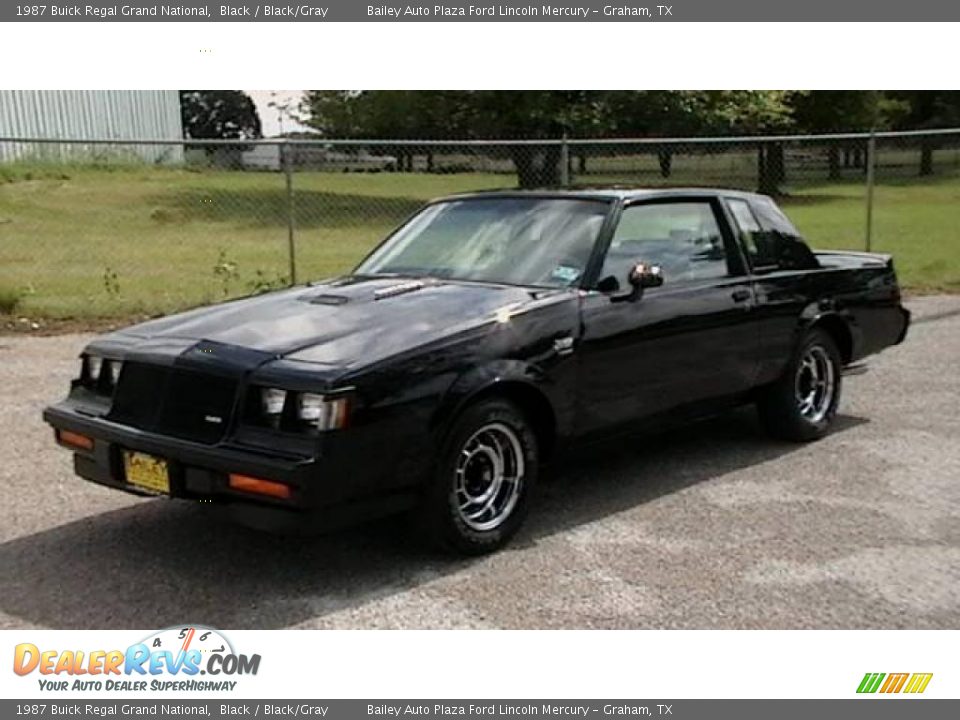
689,340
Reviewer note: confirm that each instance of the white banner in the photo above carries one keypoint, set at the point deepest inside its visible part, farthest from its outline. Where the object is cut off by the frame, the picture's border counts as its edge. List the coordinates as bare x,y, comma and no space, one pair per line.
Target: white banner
476,664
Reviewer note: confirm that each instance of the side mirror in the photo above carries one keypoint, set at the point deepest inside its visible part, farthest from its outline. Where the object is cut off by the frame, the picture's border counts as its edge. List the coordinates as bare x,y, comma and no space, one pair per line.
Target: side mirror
641,276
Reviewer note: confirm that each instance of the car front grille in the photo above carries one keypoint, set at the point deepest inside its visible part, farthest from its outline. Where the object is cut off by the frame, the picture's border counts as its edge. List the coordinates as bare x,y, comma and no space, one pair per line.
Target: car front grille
173,401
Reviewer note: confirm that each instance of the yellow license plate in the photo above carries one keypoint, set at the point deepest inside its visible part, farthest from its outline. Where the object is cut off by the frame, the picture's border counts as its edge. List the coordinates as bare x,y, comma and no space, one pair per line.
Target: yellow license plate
147,472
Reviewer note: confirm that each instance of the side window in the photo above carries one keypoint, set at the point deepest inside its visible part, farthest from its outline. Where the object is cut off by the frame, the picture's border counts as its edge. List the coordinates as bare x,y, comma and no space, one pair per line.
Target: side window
754,241
772,218
684,238
769,238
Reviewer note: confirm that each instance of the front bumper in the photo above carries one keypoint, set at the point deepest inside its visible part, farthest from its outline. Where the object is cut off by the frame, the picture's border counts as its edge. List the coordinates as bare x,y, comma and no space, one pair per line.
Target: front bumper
200,473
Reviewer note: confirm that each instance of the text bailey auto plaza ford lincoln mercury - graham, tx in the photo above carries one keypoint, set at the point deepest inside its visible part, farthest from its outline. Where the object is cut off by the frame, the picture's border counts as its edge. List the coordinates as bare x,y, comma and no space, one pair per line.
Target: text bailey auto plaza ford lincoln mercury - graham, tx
487,331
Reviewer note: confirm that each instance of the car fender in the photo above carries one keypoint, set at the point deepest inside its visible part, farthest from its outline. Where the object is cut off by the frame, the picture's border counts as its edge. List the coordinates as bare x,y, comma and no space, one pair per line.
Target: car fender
508,376
837,319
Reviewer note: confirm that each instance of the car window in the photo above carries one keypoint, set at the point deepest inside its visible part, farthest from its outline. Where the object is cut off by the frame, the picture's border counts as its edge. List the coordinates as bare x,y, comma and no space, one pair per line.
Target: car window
769,238
526,241
772,218
684,238
751,234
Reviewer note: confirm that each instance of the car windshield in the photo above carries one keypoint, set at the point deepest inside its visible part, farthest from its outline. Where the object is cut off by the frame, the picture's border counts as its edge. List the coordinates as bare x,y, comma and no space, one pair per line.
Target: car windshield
531,241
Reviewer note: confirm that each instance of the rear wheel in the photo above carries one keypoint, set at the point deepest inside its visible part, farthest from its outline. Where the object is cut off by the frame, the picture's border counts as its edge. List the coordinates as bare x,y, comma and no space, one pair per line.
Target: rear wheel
480,488
801,405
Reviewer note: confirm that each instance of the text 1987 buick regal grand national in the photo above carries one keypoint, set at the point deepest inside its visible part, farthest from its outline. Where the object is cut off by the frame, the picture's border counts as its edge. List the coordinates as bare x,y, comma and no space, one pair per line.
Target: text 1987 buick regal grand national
487,331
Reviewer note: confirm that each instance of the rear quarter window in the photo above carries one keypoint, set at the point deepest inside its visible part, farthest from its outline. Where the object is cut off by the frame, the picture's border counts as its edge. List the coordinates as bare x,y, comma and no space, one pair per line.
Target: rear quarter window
772,218
770,240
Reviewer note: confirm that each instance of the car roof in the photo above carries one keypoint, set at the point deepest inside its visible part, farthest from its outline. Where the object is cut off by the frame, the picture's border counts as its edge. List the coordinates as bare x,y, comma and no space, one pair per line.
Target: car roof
616,192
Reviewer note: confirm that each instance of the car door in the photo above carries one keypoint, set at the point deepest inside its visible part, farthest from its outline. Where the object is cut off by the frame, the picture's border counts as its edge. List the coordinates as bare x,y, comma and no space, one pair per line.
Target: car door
690,339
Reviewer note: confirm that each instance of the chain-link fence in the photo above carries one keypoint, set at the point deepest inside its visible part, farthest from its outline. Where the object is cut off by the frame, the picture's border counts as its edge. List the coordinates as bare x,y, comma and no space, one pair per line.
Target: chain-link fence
110,229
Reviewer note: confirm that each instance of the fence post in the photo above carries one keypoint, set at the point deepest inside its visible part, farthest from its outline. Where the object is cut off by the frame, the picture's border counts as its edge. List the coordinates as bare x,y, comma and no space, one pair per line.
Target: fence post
564,161
871,164
291,242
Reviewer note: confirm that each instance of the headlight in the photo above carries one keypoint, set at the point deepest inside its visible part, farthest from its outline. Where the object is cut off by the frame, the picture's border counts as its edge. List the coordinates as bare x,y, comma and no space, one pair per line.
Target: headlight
293,411
310,407
100,374
94,366
321,412
113,371
272,401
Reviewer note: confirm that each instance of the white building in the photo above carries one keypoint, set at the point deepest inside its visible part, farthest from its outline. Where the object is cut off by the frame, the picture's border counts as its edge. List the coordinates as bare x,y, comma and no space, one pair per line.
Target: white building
90,115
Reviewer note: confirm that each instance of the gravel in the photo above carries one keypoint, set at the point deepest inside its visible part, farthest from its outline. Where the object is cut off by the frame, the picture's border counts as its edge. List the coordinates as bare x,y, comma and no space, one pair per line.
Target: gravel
709,526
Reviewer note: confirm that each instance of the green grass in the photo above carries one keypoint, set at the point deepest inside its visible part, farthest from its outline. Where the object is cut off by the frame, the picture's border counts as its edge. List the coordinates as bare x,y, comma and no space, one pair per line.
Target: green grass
918,223
79,241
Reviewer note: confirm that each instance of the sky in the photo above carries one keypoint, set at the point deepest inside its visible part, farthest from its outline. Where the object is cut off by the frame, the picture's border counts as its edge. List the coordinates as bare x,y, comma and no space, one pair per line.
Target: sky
268,115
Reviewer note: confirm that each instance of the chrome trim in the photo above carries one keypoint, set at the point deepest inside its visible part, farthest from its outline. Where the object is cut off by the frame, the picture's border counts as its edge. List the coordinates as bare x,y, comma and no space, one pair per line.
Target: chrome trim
488,478
815,384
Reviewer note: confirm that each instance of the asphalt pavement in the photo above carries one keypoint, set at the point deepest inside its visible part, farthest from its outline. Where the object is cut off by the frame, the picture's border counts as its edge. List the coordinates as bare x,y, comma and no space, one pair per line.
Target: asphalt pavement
710,526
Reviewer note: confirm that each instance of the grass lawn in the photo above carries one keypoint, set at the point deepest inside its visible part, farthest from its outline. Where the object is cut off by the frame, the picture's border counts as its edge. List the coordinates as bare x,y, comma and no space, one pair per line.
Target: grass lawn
918,223
88,242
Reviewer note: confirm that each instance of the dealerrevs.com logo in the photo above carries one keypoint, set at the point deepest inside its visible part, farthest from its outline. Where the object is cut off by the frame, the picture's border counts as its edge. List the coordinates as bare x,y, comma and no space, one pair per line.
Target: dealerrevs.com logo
910,683
193,658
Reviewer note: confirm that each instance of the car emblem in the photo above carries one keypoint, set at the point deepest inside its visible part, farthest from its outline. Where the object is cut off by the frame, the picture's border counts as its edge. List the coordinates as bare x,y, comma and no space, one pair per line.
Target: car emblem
213,419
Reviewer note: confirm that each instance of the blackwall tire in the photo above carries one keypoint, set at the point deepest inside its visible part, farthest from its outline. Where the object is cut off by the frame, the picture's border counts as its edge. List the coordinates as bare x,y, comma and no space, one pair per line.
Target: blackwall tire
480,489
802,404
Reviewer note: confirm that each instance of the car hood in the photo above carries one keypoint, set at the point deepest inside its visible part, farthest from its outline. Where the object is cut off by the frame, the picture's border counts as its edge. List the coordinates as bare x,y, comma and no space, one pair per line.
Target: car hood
348,321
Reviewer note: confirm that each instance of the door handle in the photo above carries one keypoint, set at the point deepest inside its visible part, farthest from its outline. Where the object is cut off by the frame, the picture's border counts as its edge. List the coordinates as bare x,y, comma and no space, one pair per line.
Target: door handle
740,295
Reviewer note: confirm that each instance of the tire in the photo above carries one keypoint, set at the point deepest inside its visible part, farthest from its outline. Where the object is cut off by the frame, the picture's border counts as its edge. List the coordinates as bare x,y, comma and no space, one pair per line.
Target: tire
801,405
472,504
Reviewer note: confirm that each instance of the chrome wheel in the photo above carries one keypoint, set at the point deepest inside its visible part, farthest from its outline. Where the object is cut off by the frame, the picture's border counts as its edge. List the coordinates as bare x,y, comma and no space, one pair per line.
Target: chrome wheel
489,477
815,384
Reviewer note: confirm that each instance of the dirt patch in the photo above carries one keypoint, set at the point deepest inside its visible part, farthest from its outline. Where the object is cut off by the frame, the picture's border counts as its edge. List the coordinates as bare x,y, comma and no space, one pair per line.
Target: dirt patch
41,326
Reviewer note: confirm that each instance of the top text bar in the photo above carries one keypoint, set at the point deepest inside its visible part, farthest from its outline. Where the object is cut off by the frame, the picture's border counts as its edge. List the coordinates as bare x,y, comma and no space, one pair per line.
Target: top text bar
569,11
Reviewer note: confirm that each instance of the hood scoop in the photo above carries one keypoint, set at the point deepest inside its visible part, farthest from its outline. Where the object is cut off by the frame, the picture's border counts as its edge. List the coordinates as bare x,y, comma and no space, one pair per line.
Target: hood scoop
401,289
324,299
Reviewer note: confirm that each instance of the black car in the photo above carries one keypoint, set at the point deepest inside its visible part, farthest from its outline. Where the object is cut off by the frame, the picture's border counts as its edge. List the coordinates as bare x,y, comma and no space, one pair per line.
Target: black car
484,334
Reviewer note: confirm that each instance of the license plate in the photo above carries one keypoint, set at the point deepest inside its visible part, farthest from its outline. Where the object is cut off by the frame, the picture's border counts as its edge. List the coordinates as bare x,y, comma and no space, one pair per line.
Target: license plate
147,472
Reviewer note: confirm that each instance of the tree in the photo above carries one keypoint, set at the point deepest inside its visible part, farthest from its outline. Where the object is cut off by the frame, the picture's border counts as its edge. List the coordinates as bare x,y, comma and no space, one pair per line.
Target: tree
386,114
929,109
366,114
543,114
752,113
455,114
838,111
707,112
535,115
219,114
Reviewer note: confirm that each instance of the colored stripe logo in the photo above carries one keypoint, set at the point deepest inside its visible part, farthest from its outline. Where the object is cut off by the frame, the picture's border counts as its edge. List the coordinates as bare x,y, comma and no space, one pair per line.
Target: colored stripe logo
913,683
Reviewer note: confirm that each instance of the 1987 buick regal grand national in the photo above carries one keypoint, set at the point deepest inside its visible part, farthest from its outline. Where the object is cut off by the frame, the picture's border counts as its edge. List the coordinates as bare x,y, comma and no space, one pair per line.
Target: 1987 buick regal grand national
485,332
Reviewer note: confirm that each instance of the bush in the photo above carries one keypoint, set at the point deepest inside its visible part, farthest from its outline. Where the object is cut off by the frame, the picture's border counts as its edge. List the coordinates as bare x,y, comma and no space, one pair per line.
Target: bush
9,299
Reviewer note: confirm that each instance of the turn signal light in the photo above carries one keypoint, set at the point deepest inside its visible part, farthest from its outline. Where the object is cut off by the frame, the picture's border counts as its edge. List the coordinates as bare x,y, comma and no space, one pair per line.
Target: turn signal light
75,440
258,486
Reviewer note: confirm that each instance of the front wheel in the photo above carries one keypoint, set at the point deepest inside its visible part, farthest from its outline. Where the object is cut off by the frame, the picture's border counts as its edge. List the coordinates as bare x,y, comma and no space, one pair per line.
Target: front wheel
801,405
481,485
